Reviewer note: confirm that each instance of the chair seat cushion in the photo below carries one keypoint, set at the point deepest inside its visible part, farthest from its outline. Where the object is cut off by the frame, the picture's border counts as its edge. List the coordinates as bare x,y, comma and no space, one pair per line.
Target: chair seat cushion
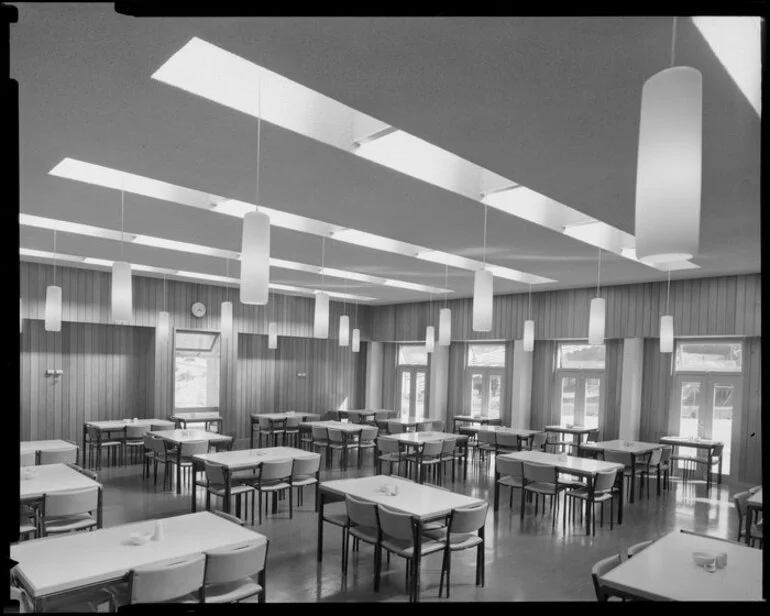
541,487
457,541
274,486
219,490
26,526
69,523
342,446
585,494
134,443
304,480
366,444
430,526
106,443
232,591
405,547
510,480
365,533
389,457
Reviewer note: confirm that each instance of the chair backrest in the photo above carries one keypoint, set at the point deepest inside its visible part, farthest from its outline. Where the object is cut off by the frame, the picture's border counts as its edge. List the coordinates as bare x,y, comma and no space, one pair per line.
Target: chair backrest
754,490
193,448
593,435
468,519
320,433
307,465
361,512
507,440
146,438
395,428
388,445
740,501
369,433
58,456
158,445
448,445
233,564
599,569
293,421
28,458
394,524
510,468
135,432
487,436
167,581
621,457
333,415
228,517
71,502
336,435
356,418
265,423
717,452
93,434
431,449
215,474
382,424
538,440
158,427
539,472
438,425
638,547
270,470
665,455
655,457
603,482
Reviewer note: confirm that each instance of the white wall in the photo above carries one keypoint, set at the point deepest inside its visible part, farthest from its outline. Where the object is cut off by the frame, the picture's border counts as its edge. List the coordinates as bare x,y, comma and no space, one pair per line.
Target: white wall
631,389
521,398
373,375
439,383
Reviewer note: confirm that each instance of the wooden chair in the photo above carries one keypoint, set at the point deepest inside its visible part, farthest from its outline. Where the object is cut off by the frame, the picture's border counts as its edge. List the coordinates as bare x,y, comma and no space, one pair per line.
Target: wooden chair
178,581
367,442
217,478
234,574
363,525
598,491
389,450
96,444
541,480
511,476
306,472
133,442
274,477
69,511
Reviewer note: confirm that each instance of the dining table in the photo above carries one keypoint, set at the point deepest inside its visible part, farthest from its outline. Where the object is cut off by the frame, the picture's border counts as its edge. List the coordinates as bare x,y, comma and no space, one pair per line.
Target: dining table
27,447
570,465
523,435
575,432
112,426
753,509
699,444
415,439
473,419
276,418
207,418
637,450
179,436
421,501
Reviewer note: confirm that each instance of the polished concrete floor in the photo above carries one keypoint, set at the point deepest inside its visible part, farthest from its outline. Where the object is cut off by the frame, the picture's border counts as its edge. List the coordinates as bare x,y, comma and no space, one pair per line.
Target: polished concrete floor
525,561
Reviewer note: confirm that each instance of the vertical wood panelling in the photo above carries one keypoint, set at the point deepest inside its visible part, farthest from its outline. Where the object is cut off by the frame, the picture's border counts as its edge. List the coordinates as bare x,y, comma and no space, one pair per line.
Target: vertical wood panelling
389,375
610,419
656,392
750,469
458,396
541,414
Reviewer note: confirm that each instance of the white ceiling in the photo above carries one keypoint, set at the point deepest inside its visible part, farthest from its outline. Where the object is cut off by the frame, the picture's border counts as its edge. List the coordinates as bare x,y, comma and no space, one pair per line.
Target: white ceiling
551,103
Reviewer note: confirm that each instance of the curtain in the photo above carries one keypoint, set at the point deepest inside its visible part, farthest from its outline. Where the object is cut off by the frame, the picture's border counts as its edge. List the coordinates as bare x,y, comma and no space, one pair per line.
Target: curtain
657,382
459,398
389,350
610,421
507,398
543,363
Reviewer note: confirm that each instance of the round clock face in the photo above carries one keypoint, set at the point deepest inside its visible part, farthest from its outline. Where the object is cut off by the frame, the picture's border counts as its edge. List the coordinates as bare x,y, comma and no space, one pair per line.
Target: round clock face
198,309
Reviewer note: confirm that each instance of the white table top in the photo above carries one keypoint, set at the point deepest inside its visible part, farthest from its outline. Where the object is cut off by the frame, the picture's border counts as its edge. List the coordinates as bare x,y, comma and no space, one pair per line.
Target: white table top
182,436
193,416
420,500
410,422
47,565
422,437
119,424
636,447
681,441
665,571
755,500
249,458
570,429
279,416
337,425
51,478
481,420
568,464
524,432
52,445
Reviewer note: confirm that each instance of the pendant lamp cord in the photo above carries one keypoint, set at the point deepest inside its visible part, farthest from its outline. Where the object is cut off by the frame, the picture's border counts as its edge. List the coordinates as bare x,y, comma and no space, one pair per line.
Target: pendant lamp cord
54,257
446,284
529,310
227,280
259,130
323,260
668,289
164,292
355,321
599,274
344,303
673,42
486,207
122,204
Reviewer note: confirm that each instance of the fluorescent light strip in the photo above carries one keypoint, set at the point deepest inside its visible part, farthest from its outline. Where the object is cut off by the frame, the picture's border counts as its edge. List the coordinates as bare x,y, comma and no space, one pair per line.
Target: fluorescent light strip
213,73
103,176
42,254
41,222
737,43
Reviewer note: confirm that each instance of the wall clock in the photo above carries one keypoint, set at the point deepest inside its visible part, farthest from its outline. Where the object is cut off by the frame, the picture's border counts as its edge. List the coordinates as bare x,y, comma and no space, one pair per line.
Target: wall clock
198,309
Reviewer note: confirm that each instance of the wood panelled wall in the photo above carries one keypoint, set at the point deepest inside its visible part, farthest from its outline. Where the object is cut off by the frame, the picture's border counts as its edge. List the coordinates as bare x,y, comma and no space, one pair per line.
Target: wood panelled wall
108,373
86,296
724,305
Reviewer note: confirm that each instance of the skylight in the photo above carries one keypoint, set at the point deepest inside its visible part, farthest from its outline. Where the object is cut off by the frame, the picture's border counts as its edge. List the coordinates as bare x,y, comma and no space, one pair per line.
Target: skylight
737,43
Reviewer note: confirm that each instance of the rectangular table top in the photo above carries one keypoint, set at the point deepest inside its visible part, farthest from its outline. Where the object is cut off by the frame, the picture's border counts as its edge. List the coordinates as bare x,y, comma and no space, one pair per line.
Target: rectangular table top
681,441
409,421
52,445
665,571
377,413
182,436
337,425
567,464
524,432
416,499
119,424
755,500
279,416
193,416
422,437
570,429
50,478
249,458
635,447
49,565
474,418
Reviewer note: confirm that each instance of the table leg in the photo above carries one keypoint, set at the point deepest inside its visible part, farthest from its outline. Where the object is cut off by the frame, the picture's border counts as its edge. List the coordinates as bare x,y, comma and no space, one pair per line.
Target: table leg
719,479
99,508
179,469
749,516
228,492
620,500
85,433
320,548
658,479
465,459
708,470
589,507
633,478
416,575
497,489
193,487
251,433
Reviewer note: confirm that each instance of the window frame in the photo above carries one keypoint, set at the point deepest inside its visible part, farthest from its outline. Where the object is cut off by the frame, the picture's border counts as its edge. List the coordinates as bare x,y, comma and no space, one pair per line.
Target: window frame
486,372
217,343
691,372
580,374
413,370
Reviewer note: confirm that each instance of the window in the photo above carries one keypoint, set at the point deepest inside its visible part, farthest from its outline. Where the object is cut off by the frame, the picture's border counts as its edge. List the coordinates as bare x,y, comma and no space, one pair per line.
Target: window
580,383
709,356
196,370
412,381
486,366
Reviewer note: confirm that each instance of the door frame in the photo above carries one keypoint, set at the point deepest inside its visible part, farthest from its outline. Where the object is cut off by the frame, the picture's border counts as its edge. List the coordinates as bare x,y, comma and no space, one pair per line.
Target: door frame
486,374
412,370
580,392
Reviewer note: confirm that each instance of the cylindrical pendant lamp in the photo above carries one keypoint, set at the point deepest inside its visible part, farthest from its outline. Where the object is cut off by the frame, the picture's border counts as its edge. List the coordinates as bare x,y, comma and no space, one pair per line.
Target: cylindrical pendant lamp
321,317
596,321
122,296
529,336
255,259
355,344
226,318
669,164
666,333
430,339
272,335
482,301
444,327
344,333
163,325
53,309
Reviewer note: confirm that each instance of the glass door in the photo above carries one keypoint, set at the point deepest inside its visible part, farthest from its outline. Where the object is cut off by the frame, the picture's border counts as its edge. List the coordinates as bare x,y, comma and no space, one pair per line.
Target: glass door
486,394
706,406
580,398
413,392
